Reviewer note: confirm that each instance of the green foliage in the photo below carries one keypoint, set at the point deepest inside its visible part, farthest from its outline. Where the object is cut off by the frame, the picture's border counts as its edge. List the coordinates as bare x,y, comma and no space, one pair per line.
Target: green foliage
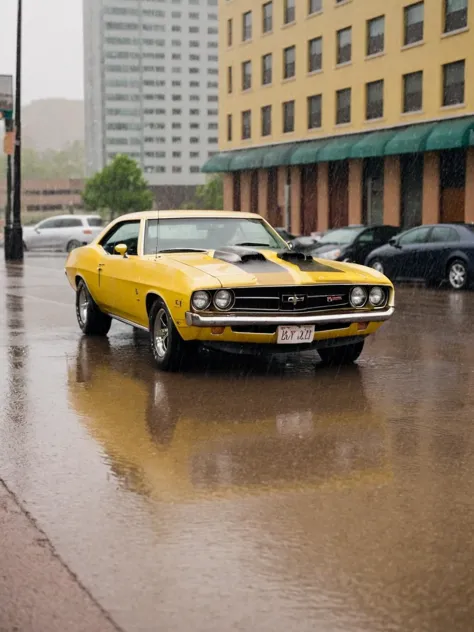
67,163
119,188
209,196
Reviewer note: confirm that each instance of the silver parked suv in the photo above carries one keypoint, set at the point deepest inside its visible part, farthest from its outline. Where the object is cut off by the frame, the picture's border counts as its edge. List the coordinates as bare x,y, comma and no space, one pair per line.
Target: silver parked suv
62,232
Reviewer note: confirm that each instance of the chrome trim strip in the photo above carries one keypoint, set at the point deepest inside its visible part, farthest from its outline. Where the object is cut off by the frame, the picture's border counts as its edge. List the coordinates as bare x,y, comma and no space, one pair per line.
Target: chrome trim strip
196,320
127,322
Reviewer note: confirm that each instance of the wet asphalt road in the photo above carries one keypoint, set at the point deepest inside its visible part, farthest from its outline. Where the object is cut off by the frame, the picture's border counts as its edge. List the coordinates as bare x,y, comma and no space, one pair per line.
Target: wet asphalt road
271,497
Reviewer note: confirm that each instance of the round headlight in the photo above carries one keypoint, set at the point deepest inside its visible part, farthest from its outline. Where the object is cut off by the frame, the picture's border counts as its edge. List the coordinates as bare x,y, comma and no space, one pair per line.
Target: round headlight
223,299
201,300
376,296
358,297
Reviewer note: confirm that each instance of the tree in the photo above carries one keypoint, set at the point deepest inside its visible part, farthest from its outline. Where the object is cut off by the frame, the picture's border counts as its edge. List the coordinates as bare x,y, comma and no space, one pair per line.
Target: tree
51,165
119,188
208,196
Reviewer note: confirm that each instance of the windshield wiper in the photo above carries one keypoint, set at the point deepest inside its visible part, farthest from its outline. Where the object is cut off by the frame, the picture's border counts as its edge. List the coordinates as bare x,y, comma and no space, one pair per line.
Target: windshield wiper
168,250
253,243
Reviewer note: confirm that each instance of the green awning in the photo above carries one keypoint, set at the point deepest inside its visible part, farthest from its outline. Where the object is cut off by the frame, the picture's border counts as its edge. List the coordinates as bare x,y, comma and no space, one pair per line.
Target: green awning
218,163
307,153
339,148
452,134
372,145
247,159
410,140
278,155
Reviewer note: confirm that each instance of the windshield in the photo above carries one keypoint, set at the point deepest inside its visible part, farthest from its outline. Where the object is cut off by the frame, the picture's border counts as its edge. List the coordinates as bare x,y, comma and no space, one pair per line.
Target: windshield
341,236
208,233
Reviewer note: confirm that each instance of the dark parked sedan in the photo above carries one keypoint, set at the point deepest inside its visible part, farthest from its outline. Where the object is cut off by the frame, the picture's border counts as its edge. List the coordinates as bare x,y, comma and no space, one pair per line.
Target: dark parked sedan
434,254
353,243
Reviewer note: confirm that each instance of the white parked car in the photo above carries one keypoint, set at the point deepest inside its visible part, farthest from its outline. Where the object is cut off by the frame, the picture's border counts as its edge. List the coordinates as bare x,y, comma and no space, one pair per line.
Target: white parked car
62,232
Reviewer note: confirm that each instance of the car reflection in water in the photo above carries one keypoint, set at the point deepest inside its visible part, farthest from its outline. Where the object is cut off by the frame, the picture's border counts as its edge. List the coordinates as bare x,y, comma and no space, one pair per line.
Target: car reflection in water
180,437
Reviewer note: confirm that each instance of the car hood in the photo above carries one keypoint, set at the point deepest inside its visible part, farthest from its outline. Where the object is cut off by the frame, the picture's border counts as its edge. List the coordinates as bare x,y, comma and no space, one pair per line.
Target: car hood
267,268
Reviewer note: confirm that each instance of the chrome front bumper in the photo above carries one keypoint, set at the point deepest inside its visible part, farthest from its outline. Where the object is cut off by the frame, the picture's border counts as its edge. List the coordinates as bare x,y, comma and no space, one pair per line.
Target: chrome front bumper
196,320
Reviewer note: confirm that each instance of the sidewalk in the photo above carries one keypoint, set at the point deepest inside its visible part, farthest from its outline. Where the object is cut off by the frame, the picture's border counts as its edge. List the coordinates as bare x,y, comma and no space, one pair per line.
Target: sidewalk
37,591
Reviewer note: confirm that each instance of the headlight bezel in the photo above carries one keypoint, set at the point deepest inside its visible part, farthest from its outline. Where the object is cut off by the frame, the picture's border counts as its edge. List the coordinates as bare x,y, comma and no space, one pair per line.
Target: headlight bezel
383,294
230,303
366,296
208,303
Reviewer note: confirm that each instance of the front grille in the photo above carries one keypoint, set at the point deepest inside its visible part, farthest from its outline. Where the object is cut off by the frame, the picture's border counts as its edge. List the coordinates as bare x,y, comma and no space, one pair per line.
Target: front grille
293,299
272,329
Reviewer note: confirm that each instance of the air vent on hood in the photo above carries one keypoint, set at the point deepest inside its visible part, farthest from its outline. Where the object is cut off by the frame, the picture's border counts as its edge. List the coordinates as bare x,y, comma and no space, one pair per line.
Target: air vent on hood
238,254
292,256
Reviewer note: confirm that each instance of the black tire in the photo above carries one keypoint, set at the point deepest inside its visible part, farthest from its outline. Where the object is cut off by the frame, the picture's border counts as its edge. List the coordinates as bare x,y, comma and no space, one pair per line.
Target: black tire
91,320
72,245
458,275
339,356
377,264
169,350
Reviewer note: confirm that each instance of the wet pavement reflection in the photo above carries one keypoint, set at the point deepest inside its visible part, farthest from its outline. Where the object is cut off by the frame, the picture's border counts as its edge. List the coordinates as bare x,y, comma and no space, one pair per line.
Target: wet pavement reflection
241,495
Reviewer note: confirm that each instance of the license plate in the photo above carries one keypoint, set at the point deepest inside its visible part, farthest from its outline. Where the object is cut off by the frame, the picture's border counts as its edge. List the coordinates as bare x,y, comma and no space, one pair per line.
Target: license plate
295,334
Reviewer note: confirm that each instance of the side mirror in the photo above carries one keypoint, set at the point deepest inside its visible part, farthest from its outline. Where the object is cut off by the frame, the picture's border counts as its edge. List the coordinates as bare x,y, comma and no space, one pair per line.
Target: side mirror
121,249
393,241
37,230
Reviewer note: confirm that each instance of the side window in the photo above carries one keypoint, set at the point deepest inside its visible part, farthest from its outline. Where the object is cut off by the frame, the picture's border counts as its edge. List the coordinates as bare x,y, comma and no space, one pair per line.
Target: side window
69,222
385,233
49,223
443,234
125,233
367,237
415,236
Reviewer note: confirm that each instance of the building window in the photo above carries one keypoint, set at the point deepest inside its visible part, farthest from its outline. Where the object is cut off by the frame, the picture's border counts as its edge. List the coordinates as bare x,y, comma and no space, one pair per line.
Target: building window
315,6
343,106
414,23
453,83
229,79
266,120
455,15
289,13
344,46
315,54
246,75
375,36
374,100
247,26
267,17
246,125
229,32
413,92
314,111
288,117
289,59
267,69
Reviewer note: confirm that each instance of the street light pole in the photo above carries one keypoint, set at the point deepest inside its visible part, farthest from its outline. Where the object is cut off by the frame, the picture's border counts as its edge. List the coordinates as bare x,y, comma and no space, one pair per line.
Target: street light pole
16,239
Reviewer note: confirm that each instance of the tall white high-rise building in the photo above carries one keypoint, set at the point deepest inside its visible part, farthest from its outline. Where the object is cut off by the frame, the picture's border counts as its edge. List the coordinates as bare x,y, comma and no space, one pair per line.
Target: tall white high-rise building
151,86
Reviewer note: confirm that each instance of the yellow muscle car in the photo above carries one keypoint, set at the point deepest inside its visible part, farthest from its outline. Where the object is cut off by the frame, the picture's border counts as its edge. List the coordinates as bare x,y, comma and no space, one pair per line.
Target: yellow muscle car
226,280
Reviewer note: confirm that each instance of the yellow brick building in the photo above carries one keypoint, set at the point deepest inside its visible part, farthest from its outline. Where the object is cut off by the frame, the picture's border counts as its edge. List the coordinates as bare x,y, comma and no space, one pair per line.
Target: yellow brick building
335,112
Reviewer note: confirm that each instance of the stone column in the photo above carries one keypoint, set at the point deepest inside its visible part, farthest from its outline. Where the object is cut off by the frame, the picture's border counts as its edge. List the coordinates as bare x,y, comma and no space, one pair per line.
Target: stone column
431,189
228,186
323,196
355,191
392,191
295,200
245,191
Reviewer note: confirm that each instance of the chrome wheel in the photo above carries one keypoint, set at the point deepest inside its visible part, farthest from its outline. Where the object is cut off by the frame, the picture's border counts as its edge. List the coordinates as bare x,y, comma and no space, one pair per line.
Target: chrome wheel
457,275
161,333
83,304
377,266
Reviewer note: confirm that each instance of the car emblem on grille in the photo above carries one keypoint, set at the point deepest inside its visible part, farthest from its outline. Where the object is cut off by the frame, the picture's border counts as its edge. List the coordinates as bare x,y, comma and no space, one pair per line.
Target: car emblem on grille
334,299
295,299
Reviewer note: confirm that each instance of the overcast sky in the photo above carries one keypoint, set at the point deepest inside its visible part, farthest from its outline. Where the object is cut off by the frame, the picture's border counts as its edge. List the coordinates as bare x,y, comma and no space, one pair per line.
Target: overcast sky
52,47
